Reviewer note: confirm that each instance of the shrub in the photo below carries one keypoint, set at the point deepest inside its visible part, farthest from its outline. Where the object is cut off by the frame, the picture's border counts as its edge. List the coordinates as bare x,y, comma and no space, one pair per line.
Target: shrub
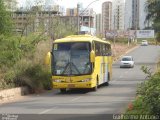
35,76
10,52
148,100
138,107
151,95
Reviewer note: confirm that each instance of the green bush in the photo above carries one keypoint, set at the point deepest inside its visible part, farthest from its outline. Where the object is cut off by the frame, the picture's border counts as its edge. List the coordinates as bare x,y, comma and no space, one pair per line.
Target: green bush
151,93
138,107
148,101
10,52
35,76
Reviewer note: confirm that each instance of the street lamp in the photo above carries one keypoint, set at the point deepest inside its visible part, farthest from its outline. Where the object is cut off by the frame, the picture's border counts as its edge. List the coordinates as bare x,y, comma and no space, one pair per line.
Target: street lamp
79,14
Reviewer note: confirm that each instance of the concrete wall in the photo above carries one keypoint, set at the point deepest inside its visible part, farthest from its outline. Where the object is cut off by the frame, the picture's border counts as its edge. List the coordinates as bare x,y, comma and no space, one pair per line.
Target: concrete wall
12,93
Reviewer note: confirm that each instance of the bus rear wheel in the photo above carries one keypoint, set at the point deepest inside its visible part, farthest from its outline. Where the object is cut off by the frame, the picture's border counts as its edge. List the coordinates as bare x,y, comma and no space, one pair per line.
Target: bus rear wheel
109,78
63,90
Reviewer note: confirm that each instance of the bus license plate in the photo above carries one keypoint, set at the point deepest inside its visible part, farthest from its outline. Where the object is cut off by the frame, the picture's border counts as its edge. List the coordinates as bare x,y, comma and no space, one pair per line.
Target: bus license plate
71,85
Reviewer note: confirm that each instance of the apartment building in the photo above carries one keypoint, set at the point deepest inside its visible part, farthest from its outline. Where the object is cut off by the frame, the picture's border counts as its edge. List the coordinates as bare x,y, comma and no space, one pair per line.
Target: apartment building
87,17
106,16
135,14
98,24
71,12
29,21
128,14
118,15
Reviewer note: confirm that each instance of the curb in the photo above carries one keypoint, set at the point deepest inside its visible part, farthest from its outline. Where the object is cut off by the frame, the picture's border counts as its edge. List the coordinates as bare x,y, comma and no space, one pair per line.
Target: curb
11,94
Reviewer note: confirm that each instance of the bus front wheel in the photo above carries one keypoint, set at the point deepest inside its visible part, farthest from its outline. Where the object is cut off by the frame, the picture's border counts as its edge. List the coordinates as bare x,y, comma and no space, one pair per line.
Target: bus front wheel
96,87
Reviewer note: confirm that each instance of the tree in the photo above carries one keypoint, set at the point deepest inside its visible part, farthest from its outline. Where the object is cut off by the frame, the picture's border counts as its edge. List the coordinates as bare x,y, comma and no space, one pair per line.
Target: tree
5,19
153,13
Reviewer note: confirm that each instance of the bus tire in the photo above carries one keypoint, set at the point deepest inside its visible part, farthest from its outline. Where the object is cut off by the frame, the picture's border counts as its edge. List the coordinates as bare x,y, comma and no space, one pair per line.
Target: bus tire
63,90
106,83
109,78
96,87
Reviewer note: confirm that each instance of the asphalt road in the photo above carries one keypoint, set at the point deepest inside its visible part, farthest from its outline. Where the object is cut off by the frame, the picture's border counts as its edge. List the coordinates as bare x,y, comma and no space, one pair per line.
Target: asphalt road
85,104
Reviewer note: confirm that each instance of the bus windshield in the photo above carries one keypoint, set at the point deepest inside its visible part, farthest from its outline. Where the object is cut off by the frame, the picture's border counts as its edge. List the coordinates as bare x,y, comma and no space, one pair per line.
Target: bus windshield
71,58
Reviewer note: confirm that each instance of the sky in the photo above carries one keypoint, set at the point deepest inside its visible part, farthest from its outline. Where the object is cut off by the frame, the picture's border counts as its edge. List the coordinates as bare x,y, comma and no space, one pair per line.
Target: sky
97,6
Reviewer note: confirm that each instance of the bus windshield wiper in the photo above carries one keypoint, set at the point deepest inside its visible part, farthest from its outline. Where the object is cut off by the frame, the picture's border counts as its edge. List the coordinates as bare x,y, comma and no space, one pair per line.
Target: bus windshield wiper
67,67
75,68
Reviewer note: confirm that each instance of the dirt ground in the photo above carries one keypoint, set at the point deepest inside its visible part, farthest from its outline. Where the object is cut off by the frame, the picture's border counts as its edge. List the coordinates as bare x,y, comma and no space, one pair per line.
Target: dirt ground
120,49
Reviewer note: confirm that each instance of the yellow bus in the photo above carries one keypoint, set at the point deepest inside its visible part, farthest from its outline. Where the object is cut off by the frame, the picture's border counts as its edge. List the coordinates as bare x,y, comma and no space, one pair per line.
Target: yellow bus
80,61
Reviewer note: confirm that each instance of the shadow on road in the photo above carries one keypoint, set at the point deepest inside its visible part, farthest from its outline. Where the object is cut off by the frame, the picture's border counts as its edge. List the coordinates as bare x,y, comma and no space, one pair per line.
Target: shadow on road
74,91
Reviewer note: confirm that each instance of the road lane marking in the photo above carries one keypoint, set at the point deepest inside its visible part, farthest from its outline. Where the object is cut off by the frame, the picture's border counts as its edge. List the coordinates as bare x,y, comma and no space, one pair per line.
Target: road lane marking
75,99
47,110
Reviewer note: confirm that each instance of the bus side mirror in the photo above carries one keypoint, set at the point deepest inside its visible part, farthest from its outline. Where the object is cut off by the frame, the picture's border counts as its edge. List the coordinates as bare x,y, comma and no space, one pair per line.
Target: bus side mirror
48,58
92,56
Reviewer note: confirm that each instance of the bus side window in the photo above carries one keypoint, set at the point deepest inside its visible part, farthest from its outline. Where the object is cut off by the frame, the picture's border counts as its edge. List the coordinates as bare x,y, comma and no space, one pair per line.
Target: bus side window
102,49
97,49
108,50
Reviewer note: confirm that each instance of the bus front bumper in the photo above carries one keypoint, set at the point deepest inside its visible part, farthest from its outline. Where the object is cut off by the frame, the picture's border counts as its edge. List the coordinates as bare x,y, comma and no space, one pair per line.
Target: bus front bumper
73,85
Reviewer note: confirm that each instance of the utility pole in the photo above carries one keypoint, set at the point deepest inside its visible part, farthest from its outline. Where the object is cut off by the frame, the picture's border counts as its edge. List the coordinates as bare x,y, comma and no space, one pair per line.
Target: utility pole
114,31
78,18
89,21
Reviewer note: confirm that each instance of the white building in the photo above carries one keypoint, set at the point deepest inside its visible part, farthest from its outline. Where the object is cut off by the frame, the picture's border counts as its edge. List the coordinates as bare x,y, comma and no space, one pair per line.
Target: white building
106,16
142,14
118,14
128,14
98,24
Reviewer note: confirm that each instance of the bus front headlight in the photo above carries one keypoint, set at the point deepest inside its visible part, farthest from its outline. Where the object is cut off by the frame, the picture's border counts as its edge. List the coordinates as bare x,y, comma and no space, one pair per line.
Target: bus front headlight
57,80
86,80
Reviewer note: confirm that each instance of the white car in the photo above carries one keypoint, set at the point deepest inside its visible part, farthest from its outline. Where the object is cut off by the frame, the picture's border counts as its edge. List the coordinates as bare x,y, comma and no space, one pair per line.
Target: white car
127,61
144,43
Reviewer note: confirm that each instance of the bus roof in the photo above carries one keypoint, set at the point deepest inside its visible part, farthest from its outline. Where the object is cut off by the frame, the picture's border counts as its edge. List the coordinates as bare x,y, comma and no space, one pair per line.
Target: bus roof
80,38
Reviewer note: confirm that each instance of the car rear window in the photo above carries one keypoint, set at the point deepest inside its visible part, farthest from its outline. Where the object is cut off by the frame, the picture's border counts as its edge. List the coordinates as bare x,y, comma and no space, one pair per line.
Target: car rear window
126,59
